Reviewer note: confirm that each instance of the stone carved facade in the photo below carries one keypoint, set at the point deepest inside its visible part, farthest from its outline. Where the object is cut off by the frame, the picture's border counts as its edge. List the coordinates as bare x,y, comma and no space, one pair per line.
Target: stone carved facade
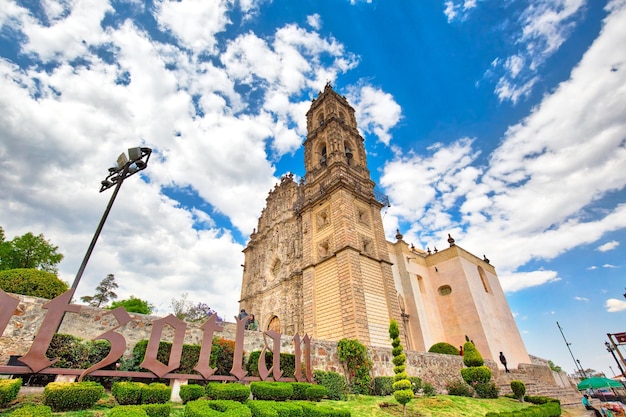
319,262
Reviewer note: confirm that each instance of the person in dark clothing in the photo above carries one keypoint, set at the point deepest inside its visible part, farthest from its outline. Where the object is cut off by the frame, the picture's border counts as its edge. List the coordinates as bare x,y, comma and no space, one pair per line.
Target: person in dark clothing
503,362
588,406
243,314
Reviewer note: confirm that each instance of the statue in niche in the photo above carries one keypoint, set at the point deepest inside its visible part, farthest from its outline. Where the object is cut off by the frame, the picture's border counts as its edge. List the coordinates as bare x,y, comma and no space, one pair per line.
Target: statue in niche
322,219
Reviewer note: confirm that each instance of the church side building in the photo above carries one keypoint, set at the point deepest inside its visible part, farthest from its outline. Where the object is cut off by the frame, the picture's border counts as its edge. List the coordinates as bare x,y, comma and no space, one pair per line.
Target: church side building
319,263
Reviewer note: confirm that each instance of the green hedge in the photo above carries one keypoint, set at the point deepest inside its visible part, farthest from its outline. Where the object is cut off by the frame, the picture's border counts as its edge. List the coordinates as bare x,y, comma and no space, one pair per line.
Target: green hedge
315,410
334,382
276,391
476,374
9,388
548,409
191,392
157,410
217,408
260,408
382,386
471,355
127,392
68,396
444,348
287,363
299,390
316,393
230,391
459,388
33,411
33,282
128,411
155,393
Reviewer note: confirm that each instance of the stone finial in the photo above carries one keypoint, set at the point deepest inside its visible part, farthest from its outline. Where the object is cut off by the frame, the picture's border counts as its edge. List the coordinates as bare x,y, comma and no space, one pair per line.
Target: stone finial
398,234
450,240
435,249
485,259
412,246
428,250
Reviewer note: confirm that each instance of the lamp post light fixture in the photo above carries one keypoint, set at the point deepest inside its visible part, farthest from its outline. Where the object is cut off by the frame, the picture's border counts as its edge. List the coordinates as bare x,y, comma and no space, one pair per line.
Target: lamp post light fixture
126,166
611,349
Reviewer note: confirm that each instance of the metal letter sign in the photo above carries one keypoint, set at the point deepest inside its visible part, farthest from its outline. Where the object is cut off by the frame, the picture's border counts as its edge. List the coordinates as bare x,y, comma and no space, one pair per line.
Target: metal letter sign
37,362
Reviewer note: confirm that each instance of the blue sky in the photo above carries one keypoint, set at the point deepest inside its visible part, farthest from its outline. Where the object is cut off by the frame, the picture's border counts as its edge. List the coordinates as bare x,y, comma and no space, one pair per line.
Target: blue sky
500,122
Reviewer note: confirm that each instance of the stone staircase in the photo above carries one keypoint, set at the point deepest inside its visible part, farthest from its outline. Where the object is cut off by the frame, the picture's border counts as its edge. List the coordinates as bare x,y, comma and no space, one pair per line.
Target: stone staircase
568,395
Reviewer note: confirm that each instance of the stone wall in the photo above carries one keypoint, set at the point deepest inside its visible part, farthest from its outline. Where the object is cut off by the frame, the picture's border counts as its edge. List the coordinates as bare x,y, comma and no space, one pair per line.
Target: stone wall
91,322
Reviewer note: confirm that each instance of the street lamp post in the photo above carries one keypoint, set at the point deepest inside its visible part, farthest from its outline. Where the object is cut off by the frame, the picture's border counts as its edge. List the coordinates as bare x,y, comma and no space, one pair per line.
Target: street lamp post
611,349
136,161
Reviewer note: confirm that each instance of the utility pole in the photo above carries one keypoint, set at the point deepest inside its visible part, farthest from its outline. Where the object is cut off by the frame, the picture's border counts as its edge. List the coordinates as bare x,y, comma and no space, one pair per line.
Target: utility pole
577,364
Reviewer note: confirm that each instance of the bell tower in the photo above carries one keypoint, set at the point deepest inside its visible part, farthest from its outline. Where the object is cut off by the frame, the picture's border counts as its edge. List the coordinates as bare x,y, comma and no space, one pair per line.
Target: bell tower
347,282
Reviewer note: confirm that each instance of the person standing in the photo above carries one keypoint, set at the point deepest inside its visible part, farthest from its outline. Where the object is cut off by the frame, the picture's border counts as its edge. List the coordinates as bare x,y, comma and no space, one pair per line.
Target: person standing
503,362
243,314
252,323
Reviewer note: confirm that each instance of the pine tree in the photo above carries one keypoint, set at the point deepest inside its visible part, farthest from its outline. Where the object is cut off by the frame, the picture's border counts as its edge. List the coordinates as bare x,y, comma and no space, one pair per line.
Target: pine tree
104,292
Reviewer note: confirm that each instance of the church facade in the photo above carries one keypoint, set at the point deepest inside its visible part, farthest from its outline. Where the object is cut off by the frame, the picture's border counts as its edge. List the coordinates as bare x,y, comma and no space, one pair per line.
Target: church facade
319,263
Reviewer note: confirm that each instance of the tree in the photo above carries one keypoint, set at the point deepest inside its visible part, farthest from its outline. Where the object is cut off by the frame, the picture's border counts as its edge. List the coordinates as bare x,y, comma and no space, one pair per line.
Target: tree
555,368
28,251
133,305
402,390
32,282
104,292
186,310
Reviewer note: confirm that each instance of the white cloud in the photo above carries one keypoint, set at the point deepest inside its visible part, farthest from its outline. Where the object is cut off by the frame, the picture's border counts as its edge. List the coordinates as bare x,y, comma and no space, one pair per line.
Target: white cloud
377,112
609,266
458,9
315,21
535,193
613,305
592,268
581,299
608,246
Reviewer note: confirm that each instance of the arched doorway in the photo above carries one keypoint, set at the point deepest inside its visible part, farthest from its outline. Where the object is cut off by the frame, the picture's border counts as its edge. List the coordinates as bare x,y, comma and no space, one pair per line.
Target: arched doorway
274,324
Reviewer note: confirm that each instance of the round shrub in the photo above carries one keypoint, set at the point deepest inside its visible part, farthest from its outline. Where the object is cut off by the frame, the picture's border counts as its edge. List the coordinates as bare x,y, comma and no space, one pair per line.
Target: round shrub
128,411
155,393
403,396
33,282
382,386
459,388
471,356
221,408
402,384
486,389
230,391
191,392
277,391
316,392
519,389
69,396
443,348
32,411
9,388
476,374
127,392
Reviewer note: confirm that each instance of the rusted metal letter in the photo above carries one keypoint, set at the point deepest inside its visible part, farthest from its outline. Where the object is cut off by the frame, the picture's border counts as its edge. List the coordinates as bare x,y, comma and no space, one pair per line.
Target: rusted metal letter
208,328
150,362
8,305
276,372
307,358
237,371
35,358
118,342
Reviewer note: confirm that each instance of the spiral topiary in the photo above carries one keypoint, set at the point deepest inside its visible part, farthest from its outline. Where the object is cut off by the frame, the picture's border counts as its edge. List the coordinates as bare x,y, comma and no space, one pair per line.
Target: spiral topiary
402,391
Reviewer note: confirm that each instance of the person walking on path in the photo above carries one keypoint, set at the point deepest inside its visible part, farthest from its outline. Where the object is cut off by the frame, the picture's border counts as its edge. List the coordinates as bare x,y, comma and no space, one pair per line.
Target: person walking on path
503,362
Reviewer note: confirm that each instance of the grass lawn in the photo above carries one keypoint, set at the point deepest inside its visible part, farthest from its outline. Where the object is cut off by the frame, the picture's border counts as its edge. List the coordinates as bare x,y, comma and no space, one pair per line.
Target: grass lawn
359,406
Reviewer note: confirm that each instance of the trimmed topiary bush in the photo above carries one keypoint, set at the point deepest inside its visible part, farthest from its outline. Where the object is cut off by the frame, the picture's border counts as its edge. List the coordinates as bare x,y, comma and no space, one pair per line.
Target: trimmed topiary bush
486,389
444,348
69,396
476,374
128,411
261,408
276,391
33,282
9,388
127,392
32,411
155,393
402,387
191,392
217,408
316,410
230,391
316,392
382,386
471,356
519,389
287,363
157,410
334,382
299,390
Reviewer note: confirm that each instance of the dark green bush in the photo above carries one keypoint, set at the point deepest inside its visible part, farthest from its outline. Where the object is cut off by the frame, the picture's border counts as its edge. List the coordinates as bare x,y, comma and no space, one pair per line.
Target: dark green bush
276,391
68,396
519,389
155,393
334,382
444,348
381,386
299,390
260,408
355,358
459,388
316,392
127,392
217,408
417,384
471,356
31,410
9,388
128,411
476,374
486,389
33,282
287,363
191,392
157,410
428,390
229,391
